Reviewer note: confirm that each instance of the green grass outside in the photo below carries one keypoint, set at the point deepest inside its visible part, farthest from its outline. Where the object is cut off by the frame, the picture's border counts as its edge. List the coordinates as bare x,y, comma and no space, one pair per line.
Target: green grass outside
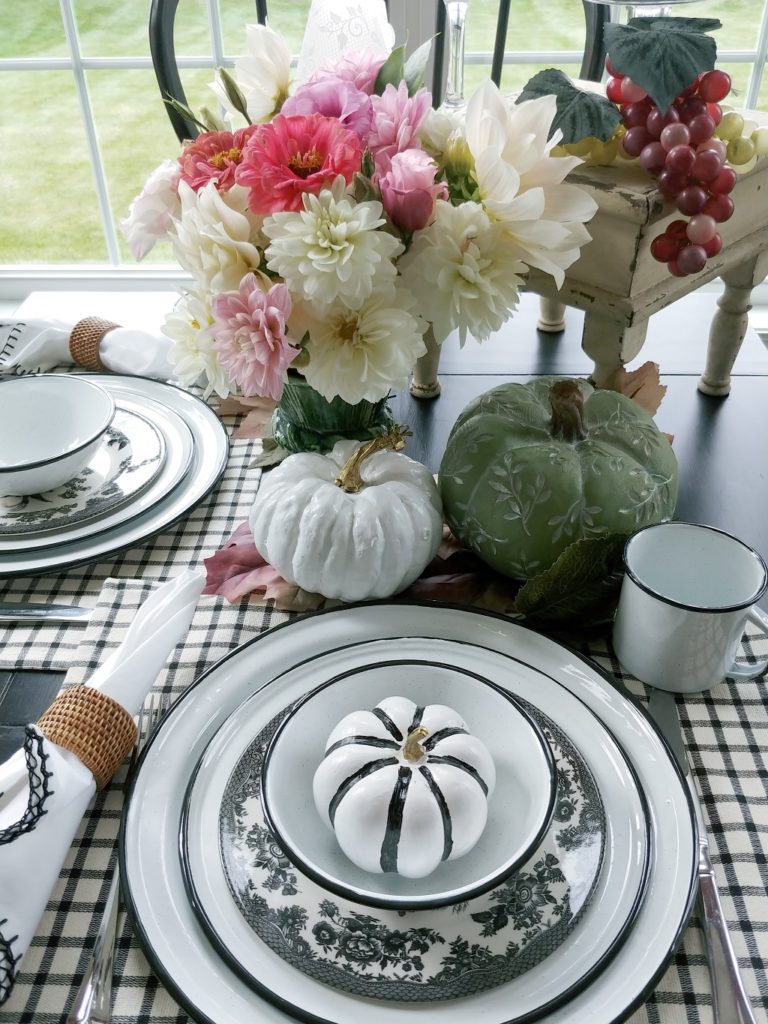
49,176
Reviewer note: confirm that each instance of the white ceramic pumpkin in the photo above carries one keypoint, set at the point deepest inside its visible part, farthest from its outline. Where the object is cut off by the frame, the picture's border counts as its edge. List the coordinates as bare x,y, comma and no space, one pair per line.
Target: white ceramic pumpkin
369,540
404,787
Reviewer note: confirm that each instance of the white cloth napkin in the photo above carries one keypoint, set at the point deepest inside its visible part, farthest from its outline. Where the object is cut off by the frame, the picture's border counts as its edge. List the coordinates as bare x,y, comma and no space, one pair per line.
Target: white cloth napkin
45,789
336,27
39,345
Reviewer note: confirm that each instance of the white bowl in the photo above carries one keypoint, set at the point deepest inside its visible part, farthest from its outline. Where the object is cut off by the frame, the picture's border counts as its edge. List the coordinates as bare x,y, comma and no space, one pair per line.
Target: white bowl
50,427
519,810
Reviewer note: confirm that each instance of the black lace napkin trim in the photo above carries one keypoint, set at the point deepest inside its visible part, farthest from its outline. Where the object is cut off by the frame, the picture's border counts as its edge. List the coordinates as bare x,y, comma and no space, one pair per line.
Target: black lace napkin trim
39,789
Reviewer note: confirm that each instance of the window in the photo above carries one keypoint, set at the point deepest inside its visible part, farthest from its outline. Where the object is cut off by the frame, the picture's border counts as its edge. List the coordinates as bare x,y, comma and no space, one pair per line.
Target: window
83,118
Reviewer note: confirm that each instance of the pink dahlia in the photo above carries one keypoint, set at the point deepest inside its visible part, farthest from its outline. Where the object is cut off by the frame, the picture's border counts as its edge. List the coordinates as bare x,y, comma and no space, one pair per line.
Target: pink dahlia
409,190
360,69
249,332
293,155
213,156
397,118
349,105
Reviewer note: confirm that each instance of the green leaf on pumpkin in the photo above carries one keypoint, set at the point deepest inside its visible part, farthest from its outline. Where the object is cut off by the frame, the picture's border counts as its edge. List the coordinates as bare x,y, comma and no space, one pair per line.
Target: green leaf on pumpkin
663,62
392,71
580,114
416,66
581,586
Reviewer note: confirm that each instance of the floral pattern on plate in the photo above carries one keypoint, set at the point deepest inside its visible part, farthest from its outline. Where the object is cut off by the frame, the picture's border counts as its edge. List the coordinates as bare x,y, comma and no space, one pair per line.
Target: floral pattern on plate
122,468
434,954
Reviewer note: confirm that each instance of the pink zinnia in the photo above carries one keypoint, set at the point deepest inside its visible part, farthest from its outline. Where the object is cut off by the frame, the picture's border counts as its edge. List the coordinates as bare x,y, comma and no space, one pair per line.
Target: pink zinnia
333,98
397,118
409,190
213,156
293,155
360,69
249,332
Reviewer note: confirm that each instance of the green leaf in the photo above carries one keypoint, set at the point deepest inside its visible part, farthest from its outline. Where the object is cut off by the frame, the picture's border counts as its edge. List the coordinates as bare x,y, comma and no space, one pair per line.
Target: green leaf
392,71
212,121
662,62
581,586
234,95
677,24
416,66
579,114
185,112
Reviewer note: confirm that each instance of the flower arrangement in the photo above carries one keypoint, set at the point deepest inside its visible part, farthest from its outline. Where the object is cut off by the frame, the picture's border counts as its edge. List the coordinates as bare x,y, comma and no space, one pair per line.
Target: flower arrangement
346,217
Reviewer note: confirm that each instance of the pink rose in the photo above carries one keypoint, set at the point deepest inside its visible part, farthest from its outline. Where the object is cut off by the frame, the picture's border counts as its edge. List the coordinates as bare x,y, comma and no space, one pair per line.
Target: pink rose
333,98
397,118
360,69
249,332
409,190
292,155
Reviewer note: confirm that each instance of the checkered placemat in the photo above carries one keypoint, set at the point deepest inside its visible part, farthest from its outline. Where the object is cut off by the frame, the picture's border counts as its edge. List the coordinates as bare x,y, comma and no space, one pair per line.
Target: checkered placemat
726,734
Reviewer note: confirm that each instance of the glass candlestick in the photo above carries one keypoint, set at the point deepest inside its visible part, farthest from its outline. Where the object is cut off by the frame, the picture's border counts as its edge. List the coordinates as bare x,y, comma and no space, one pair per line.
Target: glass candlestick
456,11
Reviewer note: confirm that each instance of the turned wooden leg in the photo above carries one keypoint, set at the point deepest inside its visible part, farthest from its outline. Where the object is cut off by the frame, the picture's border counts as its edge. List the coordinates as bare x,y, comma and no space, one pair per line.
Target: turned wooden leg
729,324
551,315
610,343
425,383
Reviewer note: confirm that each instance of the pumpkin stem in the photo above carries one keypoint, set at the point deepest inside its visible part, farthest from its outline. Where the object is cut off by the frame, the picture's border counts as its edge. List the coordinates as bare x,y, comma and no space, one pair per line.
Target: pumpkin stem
567,403
349,478
412,748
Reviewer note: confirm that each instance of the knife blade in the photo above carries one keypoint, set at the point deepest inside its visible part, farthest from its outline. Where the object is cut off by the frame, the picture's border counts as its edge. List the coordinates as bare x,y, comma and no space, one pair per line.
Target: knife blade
74,613
730,1002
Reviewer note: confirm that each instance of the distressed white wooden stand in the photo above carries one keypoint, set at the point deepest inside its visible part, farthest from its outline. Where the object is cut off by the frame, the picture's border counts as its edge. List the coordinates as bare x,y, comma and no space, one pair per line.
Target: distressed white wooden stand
618,284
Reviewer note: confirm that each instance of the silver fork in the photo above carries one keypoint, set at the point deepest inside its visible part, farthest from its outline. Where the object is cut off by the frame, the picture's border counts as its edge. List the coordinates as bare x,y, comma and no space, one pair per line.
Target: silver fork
93,1002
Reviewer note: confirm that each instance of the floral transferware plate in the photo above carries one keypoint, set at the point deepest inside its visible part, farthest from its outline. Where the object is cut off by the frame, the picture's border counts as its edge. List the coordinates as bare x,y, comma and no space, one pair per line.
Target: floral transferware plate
125,464
441,953
603,970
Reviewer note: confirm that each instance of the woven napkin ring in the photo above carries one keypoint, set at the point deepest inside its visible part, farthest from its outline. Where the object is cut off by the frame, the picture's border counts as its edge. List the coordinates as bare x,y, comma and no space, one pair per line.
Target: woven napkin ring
93,726
85,339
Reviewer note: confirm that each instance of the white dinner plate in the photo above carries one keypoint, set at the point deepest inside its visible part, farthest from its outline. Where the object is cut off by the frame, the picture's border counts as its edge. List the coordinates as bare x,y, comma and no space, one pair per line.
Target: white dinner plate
200,447
125,464
177,945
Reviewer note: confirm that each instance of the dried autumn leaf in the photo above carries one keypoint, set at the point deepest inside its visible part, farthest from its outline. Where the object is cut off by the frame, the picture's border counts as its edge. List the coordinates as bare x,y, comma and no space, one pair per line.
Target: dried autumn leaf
641,385
236,405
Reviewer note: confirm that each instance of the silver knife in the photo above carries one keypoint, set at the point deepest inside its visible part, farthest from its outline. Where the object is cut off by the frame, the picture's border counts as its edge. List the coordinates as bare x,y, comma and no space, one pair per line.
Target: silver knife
730,1003
74,613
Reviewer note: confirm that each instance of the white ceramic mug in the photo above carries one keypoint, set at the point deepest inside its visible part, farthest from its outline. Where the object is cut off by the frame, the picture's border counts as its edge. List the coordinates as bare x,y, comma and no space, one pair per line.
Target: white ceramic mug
687,595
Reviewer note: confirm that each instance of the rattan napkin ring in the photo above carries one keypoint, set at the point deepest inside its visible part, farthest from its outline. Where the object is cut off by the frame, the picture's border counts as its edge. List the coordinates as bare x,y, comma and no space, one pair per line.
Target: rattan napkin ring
85,340
97,729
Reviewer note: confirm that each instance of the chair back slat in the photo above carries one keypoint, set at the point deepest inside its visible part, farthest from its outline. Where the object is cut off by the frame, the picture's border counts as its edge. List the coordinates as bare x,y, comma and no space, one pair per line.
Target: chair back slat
502,23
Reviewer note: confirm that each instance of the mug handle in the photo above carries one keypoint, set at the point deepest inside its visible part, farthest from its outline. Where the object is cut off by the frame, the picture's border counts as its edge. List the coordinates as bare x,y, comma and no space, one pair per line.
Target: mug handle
740,671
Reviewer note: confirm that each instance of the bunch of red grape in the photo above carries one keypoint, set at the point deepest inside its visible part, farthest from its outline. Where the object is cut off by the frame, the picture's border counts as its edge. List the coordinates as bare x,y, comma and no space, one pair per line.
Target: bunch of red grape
678,146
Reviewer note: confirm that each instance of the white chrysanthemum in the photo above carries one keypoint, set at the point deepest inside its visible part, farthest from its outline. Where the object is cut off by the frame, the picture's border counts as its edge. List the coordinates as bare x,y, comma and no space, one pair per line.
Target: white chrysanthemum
332,249
463,272
192,355
521,184
362,354
263,75
214,236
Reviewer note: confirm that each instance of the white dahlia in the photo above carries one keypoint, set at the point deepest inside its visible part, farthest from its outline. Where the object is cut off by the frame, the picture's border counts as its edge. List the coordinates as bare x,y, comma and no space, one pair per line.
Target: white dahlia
363,353
463,272
192,354
332,249
213,234
521,184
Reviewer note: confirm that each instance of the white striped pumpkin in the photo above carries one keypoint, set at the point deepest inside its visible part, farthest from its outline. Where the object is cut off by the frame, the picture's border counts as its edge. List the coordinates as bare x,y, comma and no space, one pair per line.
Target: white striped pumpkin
404,787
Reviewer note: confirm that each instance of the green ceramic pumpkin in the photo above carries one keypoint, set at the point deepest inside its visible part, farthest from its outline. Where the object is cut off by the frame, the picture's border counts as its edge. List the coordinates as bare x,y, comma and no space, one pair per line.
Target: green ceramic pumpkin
531,468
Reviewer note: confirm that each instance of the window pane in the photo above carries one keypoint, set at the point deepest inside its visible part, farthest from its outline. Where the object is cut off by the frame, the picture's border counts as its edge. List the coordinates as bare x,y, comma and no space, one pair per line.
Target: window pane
533,25
740,18
52,211
135,136
109,29
36,30
740,76
190,31
288,17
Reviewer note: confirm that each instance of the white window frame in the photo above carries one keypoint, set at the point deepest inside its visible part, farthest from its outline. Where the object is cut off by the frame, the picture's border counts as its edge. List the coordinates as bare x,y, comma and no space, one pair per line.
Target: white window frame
412,19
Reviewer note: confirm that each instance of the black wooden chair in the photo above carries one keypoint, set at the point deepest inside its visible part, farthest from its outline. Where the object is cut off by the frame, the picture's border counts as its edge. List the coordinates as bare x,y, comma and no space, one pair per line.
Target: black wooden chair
162,16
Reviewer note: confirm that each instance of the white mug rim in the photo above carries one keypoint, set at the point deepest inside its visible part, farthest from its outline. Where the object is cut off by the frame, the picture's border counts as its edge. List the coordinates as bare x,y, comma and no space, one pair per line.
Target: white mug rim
704,609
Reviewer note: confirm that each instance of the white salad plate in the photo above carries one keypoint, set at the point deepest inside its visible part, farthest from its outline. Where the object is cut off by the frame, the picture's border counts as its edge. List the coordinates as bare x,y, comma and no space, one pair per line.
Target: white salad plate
178,946
126,464
519,807
197,447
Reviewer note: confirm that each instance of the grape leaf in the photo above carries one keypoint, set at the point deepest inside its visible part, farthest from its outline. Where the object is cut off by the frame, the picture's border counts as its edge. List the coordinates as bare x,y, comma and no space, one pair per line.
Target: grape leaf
580,115
581,586
677,24
661,61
